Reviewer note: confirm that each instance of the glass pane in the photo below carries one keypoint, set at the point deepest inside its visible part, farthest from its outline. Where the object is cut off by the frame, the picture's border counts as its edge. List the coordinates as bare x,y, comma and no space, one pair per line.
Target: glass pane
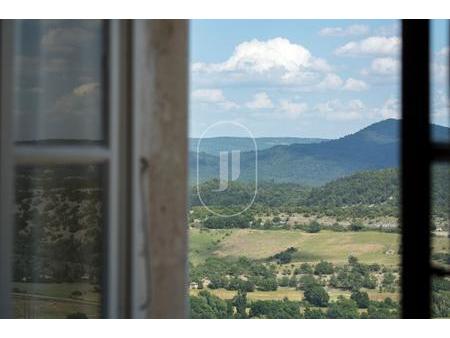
440,113
58,80
321,101
440,222
58,244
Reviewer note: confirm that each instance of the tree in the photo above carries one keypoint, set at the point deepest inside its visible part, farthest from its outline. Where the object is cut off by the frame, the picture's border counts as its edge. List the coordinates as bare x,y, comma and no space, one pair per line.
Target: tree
313,227
305,268
323,268
306,281
361,298
314,314
284,281
343,308
208,306
240,302
293,281
316,295
388,281
275,309
267,284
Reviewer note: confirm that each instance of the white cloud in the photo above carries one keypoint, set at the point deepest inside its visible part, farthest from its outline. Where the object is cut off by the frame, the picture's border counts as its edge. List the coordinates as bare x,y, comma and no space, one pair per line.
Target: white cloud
260,101
257,56
374,45
389,109
292,110
213,96
277,61
344,31
338,110
330,81
388,30
355,85
384,66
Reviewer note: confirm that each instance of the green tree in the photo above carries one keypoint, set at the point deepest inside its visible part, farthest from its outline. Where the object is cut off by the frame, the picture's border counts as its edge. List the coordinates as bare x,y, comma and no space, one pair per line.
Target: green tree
323,268
361,298
316,295
343,308
240,302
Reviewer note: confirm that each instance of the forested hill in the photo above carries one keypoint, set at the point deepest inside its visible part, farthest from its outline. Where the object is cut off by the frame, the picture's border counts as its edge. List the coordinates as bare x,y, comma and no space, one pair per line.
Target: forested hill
368,188
374,147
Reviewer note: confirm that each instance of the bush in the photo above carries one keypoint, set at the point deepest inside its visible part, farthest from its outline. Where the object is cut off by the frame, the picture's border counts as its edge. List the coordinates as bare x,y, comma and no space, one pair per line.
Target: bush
356,227
316,295
313,227
323,268
284,257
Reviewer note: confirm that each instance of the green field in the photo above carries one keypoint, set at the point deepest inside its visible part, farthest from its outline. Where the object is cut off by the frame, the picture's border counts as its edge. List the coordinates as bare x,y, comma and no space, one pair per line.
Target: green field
368,246
55,300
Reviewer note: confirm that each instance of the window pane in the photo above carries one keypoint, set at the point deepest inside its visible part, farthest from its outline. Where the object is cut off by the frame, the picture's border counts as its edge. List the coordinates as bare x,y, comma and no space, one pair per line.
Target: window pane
440,113
58,244
440,222
58,80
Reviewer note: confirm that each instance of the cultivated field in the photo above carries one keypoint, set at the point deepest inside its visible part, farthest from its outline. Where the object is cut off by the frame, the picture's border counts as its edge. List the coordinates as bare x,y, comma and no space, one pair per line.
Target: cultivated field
368,246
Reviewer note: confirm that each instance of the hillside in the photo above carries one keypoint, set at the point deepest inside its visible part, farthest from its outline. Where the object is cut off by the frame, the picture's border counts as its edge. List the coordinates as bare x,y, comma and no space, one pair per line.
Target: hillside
368,188
214,145
374,147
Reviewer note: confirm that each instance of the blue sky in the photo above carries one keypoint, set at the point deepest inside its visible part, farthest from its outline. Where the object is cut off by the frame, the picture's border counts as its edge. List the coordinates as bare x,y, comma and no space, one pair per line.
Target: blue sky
304,78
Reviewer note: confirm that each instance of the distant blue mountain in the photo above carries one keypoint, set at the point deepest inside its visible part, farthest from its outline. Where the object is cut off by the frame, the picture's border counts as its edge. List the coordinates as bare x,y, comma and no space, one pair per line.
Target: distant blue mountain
374,147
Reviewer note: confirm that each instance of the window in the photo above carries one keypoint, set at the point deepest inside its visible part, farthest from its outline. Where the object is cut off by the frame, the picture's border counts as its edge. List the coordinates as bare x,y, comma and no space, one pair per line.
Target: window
64,119
94,179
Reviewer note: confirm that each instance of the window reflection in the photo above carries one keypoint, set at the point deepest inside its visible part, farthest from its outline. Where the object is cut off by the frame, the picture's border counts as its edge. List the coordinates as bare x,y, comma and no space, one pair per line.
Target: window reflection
58,242
58,87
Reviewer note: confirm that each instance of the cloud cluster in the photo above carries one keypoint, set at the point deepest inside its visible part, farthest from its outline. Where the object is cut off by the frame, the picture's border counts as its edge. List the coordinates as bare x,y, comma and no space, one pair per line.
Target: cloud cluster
384,66
260,101
214,96
374,45
351,30
274,62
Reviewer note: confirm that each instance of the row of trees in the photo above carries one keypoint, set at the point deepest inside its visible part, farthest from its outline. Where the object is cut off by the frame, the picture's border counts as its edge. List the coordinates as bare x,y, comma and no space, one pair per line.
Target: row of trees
206,305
